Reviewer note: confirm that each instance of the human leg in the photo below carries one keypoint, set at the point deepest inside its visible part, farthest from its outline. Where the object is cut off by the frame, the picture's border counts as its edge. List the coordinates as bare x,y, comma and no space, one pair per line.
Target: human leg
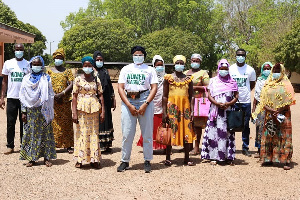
11,114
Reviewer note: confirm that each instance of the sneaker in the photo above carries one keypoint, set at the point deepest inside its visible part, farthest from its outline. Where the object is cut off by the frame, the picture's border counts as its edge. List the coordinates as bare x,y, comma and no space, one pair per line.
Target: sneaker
246,152
123,166
9,151
147,166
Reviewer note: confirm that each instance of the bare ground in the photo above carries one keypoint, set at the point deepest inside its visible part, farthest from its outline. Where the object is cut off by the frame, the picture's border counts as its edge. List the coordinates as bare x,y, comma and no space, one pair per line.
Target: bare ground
246,180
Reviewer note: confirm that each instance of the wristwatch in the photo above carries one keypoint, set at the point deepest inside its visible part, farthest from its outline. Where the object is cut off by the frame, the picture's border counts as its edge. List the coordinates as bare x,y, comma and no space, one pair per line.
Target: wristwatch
146,102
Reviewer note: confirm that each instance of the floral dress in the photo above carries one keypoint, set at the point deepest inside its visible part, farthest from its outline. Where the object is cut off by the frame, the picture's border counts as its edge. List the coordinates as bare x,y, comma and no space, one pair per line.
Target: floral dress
178,111
87,146
62,123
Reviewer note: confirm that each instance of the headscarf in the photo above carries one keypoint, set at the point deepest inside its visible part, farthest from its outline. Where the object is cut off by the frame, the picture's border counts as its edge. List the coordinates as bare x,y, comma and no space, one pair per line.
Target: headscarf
89,59
196,55
36,90
262,76
59,52
35,77
139,48
276,93
101,72
179,57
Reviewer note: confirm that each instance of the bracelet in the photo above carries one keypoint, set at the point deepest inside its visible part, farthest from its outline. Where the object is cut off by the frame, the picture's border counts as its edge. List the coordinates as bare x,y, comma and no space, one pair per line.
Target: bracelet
146,102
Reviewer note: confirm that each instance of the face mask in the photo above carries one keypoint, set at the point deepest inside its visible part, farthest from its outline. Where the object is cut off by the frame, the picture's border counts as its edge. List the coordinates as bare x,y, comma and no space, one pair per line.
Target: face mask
36,69
138,59
276,76
179,68
58,62
19,54
266,72
160,69
99,64
223,73
195,65
87,70
240,59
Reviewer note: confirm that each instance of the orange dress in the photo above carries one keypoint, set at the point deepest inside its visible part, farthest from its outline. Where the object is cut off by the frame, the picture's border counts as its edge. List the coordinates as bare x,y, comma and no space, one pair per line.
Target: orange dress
178,110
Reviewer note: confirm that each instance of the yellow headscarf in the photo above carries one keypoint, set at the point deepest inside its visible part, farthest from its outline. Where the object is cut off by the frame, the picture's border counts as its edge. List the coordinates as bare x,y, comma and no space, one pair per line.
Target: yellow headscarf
276,93
60,52
179,57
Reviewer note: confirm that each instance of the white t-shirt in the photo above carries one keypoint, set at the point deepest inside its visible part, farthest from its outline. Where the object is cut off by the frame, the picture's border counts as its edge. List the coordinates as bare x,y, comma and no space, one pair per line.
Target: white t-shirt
243,76
15,70
137,77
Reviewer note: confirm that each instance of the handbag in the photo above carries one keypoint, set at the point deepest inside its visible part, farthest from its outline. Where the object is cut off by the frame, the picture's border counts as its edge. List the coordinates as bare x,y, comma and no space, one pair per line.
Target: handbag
201,106
163,135
235,120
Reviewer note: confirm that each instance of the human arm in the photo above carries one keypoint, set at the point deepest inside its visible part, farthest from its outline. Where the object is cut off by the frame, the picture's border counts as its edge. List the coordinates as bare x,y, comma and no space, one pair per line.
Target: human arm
165,97
3,91
74,108
191,99
102,115
151,96
255,102
252,85
121,90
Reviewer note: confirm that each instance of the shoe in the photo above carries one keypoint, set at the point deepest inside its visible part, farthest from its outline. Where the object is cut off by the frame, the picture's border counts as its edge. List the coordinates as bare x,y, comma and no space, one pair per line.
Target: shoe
246,152
147,166
123,166
9,151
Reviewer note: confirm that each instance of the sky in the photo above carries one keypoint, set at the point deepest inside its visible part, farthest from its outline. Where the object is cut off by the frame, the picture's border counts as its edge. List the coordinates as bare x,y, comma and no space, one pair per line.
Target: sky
46,16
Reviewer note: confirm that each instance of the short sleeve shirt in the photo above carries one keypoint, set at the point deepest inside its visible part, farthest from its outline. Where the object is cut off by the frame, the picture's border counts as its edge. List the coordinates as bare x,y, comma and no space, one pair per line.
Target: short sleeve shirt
15,70
137,77
243,76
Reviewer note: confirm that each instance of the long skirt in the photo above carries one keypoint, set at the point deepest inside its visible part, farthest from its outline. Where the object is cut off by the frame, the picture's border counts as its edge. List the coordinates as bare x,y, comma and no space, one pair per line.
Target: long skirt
63,125
106,130
87,147
38,139
276,146
157,119
259,128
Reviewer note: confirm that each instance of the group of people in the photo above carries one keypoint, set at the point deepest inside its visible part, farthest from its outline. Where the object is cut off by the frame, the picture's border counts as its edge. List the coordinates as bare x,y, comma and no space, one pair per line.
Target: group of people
154,98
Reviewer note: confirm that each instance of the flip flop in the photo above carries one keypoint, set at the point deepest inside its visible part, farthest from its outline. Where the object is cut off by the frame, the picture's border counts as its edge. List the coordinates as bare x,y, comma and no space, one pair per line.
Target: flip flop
47,163
194,153
168,163
30,164
189,163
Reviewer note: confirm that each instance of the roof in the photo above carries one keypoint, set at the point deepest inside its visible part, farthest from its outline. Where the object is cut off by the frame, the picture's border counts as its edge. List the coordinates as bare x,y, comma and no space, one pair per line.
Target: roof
9,34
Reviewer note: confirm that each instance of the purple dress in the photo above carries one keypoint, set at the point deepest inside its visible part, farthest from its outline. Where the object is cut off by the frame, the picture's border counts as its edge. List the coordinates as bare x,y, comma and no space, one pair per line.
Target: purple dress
218,144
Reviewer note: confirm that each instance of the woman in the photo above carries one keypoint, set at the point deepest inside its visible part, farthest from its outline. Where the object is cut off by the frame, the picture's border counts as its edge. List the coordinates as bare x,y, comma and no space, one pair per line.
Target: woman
158,64
137,88
200,81
276,98
218,143
106,129
177,103
36,96
265,71
62,82
86,106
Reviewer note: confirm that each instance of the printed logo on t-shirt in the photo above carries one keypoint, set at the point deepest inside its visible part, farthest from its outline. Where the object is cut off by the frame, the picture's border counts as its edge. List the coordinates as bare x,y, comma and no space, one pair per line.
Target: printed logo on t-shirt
241,80
17,76
136,79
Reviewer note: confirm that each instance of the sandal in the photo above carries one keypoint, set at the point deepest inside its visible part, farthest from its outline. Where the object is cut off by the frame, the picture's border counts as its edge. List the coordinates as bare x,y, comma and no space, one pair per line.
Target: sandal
287,167
213,162
194,153
168,163
47,163
70,150
78,165
189,163
96,165
30,164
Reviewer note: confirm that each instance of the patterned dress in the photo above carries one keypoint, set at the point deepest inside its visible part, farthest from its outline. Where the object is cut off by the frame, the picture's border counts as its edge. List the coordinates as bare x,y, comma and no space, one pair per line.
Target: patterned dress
62,123
87,146
178,111
218,143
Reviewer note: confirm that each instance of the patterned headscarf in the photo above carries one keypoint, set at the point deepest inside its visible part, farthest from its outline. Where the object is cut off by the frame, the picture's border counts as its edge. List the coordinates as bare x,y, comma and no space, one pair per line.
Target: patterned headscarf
59,52
196,55
179,57
262,76
89,59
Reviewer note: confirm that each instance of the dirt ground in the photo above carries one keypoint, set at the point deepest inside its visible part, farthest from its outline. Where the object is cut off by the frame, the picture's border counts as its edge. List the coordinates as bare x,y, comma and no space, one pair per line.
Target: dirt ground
246,180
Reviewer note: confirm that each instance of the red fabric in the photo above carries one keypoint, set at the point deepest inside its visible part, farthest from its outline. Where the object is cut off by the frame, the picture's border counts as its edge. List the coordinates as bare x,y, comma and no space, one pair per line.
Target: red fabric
156,122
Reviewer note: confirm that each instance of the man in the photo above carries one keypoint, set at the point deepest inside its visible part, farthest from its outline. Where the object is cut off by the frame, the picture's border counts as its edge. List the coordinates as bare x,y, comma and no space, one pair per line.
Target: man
13,72
245,77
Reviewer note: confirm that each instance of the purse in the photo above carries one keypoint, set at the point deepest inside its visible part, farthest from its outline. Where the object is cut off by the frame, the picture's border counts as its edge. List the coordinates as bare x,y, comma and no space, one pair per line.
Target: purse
163,135
235,120
201,106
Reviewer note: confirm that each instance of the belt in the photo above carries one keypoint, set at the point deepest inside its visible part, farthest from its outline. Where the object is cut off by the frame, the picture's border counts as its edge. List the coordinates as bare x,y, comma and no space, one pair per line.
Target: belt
135,95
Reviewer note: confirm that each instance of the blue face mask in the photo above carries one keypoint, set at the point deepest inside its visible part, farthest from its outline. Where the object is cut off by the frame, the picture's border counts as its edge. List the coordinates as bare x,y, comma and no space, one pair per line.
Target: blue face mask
195,65
223,73
58,62
240,59
19,54
36,69
160,69
99,64
266,72
179,68
138,59
276,76
87,70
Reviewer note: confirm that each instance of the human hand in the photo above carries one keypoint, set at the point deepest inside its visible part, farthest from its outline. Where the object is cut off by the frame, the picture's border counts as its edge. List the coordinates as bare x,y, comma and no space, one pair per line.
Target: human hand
2,103
102,117
114,103
142,109
24,117
75,118
133,110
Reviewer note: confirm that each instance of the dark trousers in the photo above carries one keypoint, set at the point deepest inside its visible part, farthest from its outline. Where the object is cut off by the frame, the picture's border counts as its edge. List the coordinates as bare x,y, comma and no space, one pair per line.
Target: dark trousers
13,109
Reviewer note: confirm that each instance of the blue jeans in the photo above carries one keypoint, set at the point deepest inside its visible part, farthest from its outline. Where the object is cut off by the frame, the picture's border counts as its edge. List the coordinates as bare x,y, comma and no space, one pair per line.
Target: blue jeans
246,107
129,128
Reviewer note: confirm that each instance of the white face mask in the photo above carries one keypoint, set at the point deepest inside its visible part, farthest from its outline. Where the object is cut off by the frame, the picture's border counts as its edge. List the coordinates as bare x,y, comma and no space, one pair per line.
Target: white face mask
58,62
195,65
160,69
179,68
223,73
240,59
36,69
99,64
138,59
276,76
19,54
87,70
